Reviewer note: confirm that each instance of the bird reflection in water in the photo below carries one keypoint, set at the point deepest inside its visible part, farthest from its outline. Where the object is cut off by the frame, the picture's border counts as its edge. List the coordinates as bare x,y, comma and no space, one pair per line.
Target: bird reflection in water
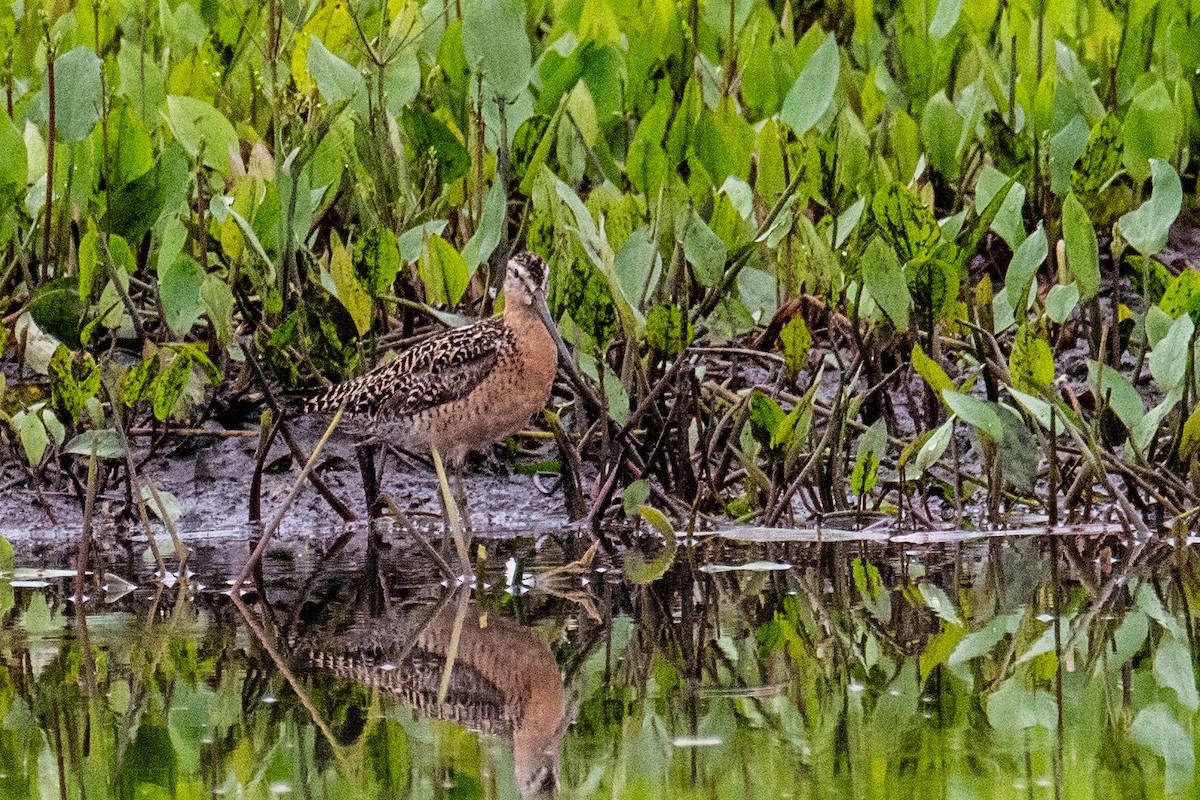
502,681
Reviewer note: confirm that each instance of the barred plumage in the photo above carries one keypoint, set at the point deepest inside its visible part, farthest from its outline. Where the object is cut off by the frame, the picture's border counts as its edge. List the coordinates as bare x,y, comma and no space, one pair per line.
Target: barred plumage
465,388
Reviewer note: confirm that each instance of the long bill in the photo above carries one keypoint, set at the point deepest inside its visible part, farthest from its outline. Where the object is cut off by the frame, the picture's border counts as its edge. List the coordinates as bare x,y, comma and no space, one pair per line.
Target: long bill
566,361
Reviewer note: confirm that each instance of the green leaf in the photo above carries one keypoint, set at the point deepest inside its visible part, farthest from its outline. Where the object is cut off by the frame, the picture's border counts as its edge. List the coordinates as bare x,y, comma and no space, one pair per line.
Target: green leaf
1173,669
63,383
337,81
104,443
942,132
217,299
1169,358
1155,728
483,242
668,330
169,385
702,248
443,272
1061,301
348,290
495,43
1190,442
1031,362
57,310
938,602
77,94
642,572
1152,130
765,417
1147,225
871,447
1115,390
1023,267
377,260
931,371
944,18
137,384
13,159
795,341
193,122
908,226
1083,251
430,137
134,207
32,433
1100,160
1011,151
977,413
179,292
812,93
933,285
884,279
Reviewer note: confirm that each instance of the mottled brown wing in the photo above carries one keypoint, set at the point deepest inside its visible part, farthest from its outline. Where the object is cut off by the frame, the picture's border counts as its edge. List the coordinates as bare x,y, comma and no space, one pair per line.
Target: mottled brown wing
435,371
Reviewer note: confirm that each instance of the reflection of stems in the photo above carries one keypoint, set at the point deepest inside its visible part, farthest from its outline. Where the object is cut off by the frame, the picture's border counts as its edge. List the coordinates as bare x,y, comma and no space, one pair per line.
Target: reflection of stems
286,672
256,556
460,616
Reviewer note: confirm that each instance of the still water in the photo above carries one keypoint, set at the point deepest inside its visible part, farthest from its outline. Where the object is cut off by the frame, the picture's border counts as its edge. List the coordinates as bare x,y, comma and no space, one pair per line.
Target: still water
1014,667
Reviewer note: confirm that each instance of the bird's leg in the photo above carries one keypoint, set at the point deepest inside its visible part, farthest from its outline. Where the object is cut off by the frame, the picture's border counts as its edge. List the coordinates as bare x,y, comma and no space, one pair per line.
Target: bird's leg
370,480
451,511
460,499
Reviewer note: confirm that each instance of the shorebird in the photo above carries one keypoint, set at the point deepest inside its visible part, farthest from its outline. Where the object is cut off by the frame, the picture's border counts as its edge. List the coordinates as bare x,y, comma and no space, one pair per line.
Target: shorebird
460,390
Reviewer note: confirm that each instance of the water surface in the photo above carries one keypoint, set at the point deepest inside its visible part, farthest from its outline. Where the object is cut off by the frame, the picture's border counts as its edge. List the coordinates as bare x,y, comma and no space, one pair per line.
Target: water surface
1014,667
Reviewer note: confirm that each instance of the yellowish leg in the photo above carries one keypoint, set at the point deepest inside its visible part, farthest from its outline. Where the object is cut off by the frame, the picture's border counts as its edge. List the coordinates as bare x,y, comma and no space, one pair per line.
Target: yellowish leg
452,518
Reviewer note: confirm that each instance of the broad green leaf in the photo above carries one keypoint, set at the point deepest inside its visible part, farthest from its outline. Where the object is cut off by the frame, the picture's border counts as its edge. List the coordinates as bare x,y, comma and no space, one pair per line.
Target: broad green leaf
495,43
703,249
1181,295
1083,250
1152,129
907,225
1014,708
162,503
377,260
933,286
70,390
1173,668
179,292
1031,362
432,138
104,443
934,447
1147,225
1169,358
137,384
765,417
57,310
884,279
1190,442
194,122
1113,388
32,433
872,446
77,94
169,385
668,330
1155,728
977,413
349,291
1061,301
931,371
1023,267
945,17
443,272
483,242
14,166
795,341
337,81
941,131
812,93
1100,160
938,602
217,299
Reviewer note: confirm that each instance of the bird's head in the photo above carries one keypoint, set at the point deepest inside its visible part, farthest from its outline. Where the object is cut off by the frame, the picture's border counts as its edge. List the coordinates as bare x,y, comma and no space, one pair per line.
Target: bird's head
526,280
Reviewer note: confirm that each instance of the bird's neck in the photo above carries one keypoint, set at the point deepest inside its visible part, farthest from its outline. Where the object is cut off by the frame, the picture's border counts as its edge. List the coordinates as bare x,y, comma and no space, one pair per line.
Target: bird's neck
521,315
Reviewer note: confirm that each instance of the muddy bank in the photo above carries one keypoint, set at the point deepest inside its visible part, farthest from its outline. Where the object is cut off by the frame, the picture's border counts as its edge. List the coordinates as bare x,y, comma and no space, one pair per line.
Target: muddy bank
210,477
